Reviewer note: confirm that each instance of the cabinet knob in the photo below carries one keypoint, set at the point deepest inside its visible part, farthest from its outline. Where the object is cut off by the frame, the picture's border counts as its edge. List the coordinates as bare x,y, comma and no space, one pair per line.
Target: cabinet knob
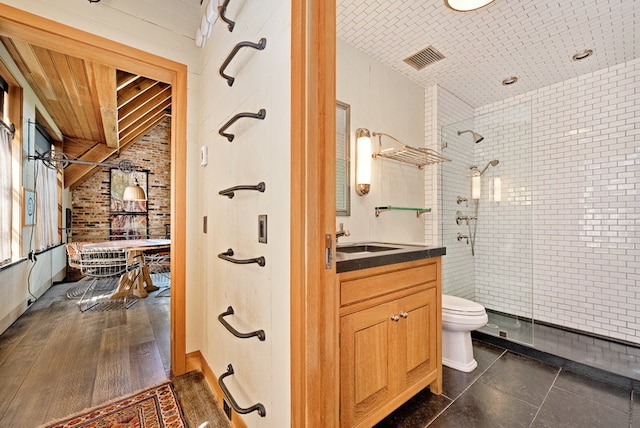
395,318
403,314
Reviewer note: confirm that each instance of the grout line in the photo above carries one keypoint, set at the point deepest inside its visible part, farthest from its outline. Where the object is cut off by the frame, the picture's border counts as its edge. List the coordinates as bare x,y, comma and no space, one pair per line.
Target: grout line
631,406
545,397
465,390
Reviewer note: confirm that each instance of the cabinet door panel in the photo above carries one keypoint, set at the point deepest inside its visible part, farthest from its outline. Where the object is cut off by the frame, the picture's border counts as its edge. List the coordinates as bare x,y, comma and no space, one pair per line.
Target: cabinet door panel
417,344
371,350
368,340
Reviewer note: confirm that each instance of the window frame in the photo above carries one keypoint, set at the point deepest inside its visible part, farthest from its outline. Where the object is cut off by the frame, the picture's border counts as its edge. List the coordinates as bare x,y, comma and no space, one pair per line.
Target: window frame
13,115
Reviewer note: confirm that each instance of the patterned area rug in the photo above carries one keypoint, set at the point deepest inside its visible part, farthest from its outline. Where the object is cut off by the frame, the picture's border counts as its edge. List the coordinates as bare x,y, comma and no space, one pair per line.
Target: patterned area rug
156,407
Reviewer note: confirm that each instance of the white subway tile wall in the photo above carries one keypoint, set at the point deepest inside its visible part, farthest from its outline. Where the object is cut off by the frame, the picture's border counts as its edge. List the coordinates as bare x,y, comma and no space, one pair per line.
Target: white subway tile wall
564,239
457,266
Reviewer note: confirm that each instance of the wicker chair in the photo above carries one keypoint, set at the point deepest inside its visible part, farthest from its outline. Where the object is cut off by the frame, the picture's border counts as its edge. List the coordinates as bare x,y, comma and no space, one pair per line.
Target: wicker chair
105,267
159,266
73,257
73,254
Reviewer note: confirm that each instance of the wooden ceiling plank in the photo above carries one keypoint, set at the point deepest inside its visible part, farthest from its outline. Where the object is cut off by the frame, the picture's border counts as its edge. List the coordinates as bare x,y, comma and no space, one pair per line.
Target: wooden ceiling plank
142,100
142,128
62,106
143,119
17,56
106,92
124,78
62,63
134,89
95,102
159,103
84,85
75,148
31,65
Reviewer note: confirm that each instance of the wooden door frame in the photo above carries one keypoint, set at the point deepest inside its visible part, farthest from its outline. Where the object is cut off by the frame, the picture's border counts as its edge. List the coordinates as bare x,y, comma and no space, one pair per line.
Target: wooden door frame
62,38
314,304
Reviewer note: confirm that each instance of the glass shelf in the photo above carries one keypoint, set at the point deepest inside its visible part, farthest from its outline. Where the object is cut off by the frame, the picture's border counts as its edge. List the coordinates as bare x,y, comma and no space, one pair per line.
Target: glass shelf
419,211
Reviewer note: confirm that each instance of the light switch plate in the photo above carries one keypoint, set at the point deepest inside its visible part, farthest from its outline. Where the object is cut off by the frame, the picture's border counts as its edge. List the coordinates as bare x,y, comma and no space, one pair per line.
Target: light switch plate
204,155
262,228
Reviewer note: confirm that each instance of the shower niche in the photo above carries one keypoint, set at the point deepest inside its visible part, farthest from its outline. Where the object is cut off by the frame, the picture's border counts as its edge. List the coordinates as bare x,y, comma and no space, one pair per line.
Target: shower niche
487,216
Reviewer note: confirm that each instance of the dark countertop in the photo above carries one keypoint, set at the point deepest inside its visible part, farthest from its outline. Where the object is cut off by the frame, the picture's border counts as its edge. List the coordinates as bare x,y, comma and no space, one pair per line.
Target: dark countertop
346,262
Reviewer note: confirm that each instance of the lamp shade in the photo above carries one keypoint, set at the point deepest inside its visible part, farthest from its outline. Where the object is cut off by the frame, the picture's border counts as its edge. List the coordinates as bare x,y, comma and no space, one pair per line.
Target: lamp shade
134,193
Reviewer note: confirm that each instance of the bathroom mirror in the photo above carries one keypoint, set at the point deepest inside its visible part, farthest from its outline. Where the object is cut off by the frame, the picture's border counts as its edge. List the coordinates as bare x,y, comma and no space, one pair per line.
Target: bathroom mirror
343,178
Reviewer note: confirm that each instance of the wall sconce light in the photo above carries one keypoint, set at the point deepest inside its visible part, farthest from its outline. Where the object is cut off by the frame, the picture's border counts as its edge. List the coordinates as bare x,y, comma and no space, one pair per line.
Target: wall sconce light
134,193
476,186
497,189
363,161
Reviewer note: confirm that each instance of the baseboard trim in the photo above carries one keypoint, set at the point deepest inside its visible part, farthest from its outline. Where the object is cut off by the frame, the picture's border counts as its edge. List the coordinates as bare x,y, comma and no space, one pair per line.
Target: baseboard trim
196,361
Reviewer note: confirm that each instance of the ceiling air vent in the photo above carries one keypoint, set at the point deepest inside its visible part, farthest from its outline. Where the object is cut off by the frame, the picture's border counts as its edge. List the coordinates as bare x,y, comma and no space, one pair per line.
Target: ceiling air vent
425,57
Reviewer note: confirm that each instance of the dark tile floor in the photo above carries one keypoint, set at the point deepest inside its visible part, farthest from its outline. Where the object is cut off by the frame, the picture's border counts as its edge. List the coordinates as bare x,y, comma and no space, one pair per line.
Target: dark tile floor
613,357
508,389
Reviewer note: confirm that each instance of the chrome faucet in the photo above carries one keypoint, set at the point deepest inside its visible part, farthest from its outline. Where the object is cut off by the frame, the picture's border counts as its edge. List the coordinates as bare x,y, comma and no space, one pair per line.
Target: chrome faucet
341,232
463,237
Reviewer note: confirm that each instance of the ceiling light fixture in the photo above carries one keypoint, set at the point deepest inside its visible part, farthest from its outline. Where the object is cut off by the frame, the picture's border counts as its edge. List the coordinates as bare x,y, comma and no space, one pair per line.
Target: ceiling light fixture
509,80
466,5
582,54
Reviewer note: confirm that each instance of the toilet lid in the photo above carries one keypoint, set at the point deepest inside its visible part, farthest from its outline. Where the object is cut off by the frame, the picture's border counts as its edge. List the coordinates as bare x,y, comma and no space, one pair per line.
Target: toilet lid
460,305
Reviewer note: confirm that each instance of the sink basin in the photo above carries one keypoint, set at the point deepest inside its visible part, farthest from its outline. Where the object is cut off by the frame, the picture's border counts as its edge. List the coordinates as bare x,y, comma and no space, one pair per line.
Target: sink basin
364,248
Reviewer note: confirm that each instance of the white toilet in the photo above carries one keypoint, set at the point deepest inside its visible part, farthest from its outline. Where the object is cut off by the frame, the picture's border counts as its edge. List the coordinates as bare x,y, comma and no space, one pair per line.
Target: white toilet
459,317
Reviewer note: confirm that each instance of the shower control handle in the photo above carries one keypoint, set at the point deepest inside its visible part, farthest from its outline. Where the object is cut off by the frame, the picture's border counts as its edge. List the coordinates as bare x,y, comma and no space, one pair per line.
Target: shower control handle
395,318
461,237
461,217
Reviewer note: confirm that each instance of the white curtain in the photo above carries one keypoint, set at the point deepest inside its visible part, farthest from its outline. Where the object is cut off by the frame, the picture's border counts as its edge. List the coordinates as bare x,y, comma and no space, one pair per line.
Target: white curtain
46,229
5,196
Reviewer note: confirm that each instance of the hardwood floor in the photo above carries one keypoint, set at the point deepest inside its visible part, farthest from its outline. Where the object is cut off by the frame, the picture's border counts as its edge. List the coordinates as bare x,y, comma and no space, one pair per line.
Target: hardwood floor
55,360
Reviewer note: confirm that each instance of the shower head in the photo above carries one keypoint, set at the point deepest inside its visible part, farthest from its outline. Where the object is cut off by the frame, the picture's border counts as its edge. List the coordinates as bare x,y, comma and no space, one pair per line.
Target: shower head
476,137
491,163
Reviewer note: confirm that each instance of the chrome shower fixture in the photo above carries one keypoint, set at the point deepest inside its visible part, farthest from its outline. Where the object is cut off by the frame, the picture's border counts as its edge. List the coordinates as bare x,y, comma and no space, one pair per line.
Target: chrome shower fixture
491,163
476,137
481,173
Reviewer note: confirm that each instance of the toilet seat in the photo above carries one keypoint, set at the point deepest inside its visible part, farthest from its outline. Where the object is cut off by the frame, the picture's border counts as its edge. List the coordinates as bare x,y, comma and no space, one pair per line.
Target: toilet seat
458,306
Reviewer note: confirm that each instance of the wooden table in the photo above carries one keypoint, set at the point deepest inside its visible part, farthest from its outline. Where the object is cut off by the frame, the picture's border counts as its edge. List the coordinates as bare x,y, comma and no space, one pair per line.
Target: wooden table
137,277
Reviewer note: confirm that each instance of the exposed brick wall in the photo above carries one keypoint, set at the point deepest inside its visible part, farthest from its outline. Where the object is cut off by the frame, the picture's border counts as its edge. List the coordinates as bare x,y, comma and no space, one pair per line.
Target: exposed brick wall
90,200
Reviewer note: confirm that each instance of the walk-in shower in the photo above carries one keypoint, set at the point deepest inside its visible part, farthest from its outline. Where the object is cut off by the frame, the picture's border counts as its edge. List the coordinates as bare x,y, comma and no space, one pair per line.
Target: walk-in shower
486,207
472,221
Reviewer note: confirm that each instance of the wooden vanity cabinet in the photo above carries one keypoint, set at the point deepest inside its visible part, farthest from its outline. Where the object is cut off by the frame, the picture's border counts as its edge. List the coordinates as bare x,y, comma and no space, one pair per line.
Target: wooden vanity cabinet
390,338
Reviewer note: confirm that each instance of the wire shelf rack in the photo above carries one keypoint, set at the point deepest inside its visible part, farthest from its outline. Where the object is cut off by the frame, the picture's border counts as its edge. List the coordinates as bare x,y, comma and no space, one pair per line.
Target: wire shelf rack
398,151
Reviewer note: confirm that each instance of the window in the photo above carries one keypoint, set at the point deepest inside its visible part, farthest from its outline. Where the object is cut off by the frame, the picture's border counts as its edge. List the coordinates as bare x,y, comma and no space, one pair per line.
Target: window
46,228
6,185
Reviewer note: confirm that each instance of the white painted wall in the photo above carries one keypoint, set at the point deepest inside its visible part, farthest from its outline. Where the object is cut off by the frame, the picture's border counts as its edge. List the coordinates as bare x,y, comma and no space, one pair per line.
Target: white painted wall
383,101
259,152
